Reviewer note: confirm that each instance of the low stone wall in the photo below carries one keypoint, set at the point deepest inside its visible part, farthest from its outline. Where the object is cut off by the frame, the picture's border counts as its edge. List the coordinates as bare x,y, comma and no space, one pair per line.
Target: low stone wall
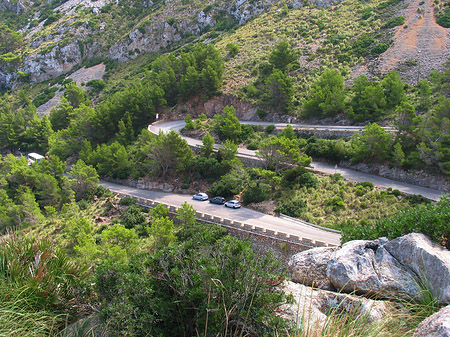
282,245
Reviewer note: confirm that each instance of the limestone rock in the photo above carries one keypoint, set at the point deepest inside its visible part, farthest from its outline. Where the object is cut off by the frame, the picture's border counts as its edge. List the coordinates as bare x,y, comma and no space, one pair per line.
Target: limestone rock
437,325
367,267
429,261
313,306
310,267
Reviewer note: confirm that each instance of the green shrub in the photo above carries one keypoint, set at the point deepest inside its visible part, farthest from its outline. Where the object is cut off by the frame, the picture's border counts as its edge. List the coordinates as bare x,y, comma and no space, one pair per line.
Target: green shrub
192,287
366,184
380,48
393,22
127,202
292,207
336,203
257,193
429,219
269,128
299,177
232,49
96,86
443,18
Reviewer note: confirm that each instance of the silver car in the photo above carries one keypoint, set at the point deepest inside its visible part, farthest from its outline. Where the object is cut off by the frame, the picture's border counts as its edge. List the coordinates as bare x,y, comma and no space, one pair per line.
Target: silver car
233,204
200,196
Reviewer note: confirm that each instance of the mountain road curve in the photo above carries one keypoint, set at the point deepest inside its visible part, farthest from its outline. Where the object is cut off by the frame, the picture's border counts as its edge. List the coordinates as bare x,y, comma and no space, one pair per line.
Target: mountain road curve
316,166
241,214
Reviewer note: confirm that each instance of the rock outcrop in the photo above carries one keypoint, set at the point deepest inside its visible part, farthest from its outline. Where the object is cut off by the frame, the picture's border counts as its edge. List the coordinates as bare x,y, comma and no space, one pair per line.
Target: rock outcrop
437,325
310,267
400,268
429,261
312,306
367,267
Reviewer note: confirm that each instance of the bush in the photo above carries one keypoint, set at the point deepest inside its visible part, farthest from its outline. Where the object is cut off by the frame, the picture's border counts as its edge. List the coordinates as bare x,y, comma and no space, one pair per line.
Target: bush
429,219
336,203
96,86
299,177
393,22
191,287
380,48
257,193
269,128
292,207
127,202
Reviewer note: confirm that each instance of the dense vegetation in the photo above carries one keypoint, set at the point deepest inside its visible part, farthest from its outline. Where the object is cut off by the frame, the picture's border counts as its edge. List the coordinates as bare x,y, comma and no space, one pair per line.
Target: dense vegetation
69,248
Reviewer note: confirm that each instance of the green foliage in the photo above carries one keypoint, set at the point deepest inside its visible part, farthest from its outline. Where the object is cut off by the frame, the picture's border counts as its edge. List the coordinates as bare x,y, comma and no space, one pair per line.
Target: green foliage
255,194
168,153
373,145
413,219
232,49
281,56
327,96
336,203
119,242
112,160
227,125
293,207
37,271
361,45
85,179
162,232
75,95
395,21
280,152
281,90
443,18
299,177
200,282
230,184
186,214
207,148
334,150
10,40
380,48
394,89
369,100
45,96
95,86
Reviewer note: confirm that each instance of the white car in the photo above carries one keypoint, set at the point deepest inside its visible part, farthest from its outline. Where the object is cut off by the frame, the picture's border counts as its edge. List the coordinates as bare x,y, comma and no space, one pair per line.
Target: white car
200,196
233,204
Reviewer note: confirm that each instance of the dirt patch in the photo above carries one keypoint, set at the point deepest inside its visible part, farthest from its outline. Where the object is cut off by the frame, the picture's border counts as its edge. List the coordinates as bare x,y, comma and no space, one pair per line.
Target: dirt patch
421,39
419,46
82,75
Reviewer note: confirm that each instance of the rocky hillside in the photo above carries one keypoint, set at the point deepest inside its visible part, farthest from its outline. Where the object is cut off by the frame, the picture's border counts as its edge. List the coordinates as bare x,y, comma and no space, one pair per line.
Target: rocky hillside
60,35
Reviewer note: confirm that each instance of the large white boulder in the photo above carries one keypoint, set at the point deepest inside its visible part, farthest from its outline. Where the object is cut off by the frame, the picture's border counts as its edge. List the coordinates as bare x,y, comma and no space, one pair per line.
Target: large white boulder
310,267
429,261
366,267
312,307
437,325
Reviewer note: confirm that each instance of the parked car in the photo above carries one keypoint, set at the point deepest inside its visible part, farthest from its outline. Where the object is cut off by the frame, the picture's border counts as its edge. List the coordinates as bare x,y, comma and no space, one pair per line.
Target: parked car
233,204
217,200
200,196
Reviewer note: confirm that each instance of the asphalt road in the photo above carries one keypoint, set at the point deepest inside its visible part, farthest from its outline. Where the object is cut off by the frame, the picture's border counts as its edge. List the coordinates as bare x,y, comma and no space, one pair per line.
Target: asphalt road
243,214
317,166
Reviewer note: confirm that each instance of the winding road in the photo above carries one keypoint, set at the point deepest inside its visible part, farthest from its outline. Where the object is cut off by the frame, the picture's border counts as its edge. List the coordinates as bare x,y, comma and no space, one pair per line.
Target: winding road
317,166
243,214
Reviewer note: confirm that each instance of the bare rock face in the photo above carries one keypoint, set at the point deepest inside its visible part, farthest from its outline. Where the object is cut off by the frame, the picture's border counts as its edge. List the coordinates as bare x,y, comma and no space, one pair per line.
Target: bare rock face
366,267
312,306
429,261
310,267
437,325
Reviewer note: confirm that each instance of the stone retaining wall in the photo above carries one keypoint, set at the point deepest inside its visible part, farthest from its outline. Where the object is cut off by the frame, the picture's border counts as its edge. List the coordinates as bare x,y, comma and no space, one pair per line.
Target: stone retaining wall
282,245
